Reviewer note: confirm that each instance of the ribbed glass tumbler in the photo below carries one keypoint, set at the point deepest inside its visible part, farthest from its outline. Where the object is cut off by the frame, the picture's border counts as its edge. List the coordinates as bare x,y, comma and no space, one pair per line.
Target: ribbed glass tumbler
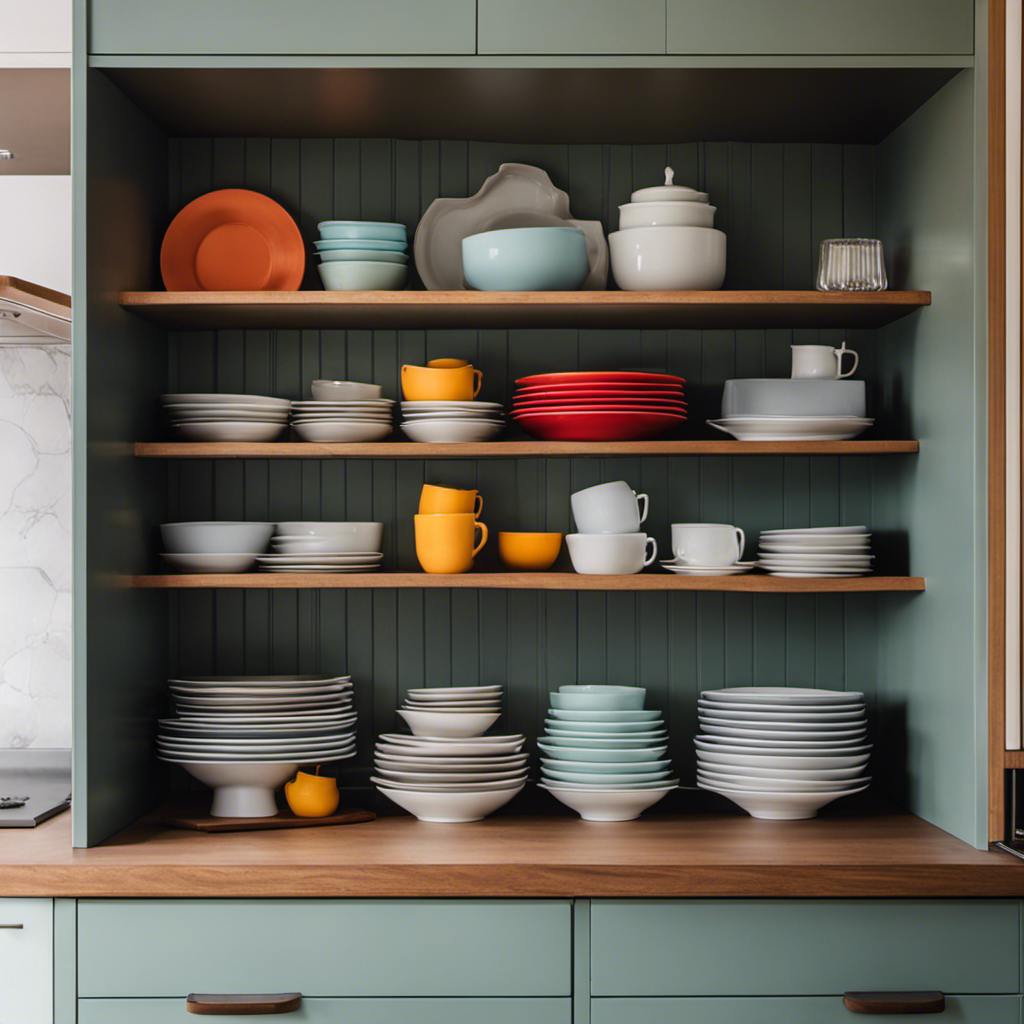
851,265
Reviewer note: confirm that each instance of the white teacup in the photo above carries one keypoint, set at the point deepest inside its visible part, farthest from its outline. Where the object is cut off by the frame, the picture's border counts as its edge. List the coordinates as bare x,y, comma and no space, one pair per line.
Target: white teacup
821,361
610,554
707,544
609,508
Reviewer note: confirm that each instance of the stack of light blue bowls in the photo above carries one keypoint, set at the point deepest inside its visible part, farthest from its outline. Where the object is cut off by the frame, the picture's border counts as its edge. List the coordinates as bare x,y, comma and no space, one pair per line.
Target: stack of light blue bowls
362,255
603,754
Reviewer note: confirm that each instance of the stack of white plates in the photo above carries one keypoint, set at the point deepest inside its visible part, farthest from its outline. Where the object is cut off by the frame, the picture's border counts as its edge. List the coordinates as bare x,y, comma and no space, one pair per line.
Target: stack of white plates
782,752
201,417
455,712
216,547
368,420
448,422
325,547
793,428
820,551
246,735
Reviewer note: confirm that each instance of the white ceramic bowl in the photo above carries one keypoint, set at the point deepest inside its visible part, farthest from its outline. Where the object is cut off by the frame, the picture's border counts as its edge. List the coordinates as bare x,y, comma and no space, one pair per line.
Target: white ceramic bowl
459,431
446,693
741,782
607,804
450,807
345,391
780,806
360,276
610,554
208,398
216,537
209,562
781,396
344,537
342,431
662,214
229,430
668,258
241,790
449,725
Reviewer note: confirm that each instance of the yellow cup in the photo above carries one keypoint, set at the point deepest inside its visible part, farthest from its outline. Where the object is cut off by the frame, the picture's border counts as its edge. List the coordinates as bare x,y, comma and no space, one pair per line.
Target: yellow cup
445,543
441,383
529,552
312,796
447,364
435,500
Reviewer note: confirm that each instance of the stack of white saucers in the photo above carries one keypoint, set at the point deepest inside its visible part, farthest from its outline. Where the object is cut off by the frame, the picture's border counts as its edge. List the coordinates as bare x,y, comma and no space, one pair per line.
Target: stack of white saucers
448,422
603,754
247,735
325,547
214,547
202,417
782,752
343,420
456,712
821,551
793,428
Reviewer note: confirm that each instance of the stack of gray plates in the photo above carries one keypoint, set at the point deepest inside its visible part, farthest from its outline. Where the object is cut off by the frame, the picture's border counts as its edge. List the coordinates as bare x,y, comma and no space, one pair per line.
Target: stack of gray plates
213,417
819,551
351,421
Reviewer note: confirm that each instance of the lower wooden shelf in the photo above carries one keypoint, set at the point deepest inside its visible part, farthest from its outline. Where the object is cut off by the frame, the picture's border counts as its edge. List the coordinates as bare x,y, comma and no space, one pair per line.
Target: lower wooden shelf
750,583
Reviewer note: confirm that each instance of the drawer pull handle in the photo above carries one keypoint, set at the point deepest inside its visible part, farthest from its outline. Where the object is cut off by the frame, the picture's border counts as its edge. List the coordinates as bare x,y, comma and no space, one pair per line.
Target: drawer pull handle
12,927
243,1005
894,1002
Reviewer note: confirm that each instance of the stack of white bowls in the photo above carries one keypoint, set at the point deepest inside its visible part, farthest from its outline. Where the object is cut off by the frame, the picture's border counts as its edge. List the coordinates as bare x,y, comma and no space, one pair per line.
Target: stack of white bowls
782,752
448,771
667,241
343,410
362,255
603,754
214,546
206,417
609,542
452,422
325,547
817,552
247,735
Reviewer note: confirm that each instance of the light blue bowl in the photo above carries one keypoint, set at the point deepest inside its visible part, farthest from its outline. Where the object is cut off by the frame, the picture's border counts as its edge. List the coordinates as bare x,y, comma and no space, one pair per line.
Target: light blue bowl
559,784
526,260
331,244
362,229
606,742
363,276
603,780
609,698
605,716
609,756
602,767
558,726
370,255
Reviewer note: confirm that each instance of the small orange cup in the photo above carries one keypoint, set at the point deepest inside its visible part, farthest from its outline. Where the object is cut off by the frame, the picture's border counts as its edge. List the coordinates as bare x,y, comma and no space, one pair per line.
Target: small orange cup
447,364
436,500
440,383
447,543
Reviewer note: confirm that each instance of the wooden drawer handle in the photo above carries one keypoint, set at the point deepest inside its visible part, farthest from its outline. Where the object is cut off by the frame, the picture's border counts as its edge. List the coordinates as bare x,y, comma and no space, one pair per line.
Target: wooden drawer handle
894,1002
243,1005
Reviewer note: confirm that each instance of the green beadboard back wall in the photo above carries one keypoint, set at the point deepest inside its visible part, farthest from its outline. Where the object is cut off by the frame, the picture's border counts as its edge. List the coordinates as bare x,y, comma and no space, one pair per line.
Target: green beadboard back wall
775,202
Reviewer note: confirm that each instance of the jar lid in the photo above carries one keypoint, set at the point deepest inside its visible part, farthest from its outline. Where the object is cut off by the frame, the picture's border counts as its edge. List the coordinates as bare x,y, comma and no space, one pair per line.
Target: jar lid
668,193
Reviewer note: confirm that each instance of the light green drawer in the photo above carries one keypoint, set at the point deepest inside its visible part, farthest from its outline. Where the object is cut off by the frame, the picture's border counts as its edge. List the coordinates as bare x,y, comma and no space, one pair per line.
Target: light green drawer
350,1011
169,948
806,1010
813,947
826,26
571,26
273,26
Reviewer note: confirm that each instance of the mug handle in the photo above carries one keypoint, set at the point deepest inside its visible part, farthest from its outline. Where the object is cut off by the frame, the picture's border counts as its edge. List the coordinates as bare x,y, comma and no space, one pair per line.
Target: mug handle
654,551
646,501
478,377
742,538
482,527
840,352
479,505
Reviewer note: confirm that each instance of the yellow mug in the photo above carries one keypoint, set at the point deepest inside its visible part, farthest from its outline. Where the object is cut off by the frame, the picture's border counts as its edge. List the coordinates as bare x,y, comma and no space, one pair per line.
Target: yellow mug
435,500
445,543
447,364
440,383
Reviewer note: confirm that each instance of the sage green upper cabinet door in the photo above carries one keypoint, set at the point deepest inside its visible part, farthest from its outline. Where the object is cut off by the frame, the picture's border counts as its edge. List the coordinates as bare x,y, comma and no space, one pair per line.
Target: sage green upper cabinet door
279,26
571,26
826,26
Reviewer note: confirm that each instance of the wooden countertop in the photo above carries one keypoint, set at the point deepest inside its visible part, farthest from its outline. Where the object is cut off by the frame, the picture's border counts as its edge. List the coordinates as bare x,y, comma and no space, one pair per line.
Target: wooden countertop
698,855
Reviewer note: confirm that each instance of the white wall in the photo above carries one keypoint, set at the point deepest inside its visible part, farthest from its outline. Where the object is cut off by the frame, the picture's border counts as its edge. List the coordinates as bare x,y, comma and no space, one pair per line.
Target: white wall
35,229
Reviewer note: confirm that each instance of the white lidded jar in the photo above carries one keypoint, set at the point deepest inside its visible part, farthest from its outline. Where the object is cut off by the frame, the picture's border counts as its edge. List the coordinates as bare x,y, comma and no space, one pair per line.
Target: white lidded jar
667,205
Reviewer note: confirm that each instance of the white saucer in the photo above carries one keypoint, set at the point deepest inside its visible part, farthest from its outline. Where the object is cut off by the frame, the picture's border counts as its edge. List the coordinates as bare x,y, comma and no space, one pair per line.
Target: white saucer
696,570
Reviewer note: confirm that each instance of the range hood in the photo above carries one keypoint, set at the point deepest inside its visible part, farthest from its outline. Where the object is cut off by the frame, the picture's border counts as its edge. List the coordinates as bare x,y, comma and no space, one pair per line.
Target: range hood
31,311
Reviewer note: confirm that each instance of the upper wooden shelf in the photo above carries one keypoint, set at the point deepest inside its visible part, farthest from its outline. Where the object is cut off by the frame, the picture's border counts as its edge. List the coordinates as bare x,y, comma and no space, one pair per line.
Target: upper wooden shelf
507,449
750,583
425,309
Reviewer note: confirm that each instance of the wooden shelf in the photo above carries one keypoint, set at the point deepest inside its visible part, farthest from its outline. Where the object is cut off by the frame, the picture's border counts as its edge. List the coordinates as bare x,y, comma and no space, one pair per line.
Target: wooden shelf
424,309
508,449
750,583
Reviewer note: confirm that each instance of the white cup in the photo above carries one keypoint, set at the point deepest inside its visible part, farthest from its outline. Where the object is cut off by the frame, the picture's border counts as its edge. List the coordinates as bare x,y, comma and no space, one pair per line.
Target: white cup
821,361
714,545
610,554
609,508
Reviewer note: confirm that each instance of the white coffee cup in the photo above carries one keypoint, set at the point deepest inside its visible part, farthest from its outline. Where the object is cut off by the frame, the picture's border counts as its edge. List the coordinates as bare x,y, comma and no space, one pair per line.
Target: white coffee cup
610,554
707,544
609,508
821,361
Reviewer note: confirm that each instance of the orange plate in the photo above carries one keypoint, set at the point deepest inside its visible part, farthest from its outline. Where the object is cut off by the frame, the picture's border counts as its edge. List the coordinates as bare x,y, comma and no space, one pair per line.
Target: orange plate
232,240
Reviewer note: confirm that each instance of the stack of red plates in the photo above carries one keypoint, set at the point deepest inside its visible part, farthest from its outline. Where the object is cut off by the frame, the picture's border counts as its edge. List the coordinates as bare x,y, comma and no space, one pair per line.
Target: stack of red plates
596,405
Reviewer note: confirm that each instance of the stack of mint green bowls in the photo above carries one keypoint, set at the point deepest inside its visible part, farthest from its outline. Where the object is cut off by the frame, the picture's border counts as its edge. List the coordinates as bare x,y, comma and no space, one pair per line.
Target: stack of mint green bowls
603,754
362,255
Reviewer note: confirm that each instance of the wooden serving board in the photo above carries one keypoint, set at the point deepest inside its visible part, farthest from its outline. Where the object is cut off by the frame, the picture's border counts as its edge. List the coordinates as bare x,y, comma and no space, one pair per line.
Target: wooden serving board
184,816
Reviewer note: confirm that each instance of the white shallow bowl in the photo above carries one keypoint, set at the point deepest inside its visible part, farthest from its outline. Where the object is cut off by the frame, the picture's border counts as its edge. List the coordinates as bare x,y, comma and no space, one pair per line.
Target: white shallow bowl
231,413
229,430
451,764
571,715
242,790
346,536
452,431
793,428
793,713
449,725
781,806
343,431
446,693
785,397
445,746
823,750
564,727
212,398
450,807
800,774
344,391
741,782
791,761
770,741
668,258
606,804
187,562
468,777
216,537
316,546
782,695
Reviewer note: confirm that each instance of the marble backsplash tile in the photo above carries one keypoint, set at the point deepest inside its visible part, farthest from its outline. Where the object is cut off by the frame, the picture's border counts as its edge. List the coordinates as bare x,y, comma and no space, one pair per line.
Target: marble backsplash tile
35,545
